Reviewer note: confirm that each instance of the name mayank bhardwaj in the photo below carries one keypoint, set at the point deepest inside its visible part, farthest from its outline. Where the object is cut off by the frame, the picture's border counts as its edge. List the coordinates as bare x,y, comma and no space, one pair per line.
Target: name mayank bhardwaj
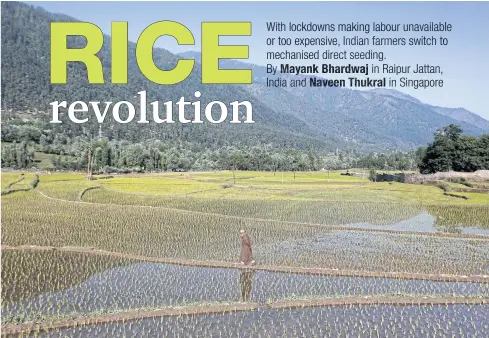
327,68
364,70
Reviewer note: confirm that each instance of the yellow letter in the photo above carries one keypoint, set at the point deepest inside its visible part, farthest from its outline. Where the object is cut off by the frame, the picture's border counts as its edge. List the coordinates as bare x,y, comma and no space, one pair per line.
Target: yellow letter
119,52
61,55
144,52
212,52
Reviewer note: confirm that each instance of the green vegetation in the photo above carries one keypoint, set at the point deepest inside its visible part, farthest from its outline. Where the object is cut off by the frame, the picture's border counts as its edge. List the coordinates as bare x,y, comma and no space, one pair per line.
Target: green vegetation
348,320
37,273
18,156
102,284
26,94
449,151
183,192
294,220
22,182
452,151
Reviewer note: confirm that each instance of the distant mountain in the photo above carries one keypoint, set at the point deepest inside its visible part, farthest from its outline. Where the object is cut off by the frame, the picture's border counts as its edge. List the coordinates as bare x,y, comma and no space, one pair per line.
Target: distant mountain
325,119
461,114
371,118
394,93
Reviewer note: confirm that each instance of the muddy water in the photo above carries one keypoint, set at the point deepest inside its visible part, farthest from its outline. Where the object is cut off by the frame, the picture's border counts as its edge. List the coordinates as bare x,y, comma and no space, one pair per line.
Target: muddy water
341,321
143,284
358,250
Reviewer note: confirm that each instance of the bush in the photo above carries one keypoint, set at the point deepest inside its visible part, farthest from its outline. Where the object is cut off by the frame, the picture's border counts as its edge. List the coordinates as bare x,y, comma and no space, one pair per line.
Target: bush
372,175
34,182
444,186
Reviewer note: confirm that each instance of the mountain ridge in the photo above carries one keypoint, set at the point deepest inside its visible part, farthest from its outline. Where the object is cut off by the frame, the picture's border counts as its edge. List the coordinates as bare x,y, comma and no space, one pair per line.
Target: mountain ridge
26,84
461,114
372,116
298,118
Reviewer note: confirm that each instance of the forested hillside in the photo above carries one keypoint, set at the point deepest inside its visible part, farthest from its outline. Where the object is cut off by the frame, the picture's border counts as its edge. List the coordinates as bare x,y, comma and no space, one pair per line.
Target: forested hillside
294,129
26,85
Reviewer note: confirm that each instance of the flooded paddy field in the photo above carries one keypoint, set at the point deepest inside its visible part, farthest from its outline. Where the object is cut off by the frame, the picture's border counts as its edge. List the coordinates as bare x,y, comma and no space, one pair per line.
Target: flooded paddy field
337,321
339,258
103,284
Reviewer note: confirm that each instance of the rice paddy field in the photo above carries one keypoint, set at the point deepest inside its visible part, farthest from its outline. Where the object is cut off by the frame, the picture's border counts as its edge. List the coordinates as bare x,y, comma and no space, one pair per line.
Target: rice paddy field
155,255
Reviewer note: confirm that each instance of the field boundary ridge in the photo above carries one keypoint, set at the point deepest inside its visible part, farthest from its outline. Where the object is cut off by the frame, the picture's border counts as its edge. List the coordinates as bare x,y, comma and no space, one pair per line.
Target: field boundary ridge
270,268
331,227
222,308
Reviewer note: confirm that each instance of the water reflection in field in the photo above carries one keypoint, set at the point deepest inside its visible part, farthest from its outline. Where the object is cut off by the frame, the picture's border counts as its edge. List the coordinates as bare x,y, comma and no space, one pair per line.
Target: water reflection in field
425,222
151,285
338,321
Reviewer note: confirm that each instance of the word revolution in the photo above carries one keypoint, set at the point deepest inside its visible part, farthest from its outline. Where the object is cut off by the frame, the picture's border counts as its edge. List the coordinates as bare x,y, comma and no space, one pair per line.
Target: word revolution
82,109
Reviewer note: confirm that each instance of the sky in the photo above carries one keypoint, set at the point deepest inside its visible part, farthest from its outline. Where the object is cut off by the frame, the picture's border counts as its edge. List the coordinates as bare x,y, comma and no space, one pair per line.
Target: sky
463,61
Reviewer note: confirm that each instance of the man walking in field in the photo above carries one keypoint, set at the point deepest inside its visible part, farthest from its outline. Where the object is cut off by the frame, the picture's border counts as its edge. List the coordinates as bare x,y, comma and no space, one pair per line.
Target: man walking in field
246,252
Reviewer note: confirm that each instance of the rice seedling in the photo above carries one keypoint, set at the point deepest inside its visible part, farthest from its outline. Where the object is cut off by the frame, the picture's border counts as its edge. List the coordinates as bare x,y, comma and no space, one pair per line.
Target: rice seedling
28,218
46,284
340,321
262,185
197,216
445,218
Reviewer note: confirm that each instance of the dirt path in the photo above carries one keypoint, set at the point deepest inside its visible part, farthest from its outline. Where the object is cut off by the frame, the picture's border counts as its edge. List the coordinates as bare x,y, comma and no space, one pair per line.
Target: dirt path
331,227
282,269
25,328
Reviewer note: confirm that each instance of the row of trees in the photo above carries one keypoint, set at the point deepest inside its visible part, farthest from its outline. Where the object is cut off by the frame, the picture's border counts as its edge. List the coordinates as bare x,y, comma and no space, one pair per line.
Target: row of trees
155,155
394,160
17,155
72,153
451,150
